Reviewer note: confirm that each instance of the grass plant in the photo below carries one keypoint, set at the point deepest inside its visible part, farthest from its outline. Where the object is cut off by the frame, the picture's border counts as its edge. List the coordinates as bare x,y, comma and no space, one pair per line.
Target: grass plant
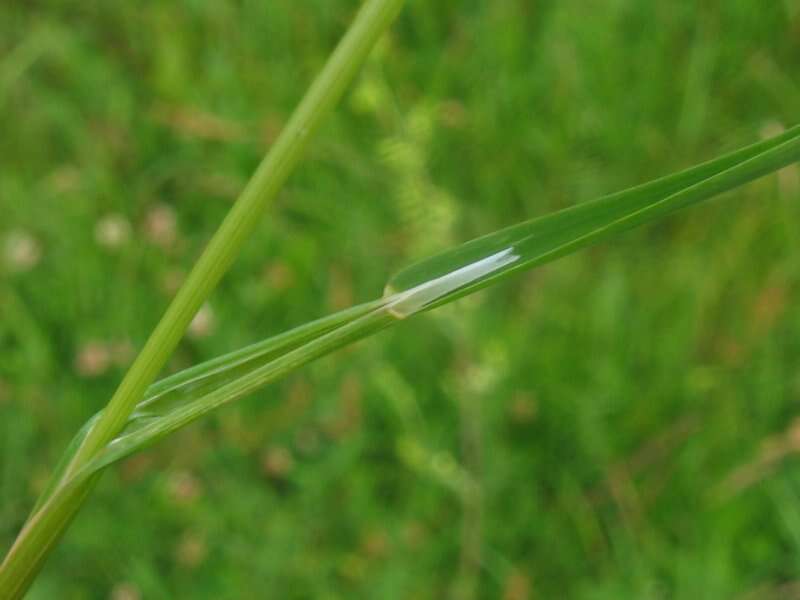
142,412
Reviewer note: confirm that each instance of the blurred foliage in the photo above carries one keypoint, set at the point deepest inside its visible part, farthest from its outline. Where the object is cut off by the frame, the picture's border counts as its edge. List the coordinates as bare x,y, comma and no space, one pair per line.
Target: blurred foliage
620,424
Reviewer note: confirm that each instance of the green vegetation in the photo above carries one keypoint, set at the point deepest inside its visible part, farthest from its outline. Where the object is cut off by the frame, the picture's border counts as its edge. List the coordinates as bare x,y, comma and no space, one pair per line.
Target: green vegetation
527,437
182,398
70,487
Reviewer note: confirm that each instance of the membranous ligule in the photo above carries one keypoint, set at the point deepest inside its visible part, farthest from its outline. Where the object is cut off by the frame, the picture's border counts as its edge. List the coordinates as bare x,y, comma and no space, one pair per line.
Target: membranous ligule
412,299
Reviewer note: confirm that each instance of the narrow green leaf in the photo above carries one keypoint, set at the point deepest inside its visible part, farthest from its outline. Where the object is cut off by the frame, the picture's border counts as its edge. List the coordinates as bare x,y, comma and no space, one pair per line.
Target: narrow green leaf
186,396
546,238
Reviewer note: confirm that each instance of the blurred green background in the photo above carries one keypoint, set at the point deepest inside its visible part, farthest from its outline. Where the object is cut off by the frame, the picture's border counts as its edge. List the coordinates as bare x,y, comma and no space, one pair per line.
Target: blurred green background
620,424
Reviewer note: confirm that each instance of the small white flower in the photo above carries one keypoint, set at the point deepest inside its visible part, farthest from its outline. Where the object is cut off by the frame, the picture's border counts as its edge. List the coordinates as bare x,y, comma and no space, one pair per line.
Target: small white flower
93,359
203,323
112,231
161,225
125,591
21,251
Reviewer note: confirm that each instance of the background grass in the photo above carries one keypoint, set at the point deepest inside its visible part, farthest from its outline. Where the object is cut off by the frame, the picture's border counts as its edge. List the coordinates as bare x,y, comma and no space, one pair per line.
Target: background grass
620,424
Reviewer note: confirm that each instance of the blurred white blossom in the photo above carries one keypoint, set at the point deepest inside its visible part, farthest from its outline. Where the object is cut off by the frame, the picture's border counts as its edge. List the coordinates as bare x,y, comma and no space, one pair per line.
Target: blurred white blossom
125,591
21,251
93,359
112,231
203,323
183,487
161,225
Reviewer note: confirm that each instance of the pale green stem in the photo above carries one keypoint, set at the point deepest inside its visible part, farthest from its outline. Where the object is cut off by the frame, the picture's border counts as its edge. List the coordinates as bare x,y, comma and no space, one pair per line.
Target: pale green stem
39,535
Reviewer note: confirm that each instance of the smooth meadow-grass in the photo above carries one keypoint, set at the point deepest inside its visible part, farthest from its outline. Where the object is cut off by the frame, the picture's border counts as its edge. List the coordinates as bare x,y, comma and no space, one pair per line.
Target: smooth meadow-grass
186,396
45,525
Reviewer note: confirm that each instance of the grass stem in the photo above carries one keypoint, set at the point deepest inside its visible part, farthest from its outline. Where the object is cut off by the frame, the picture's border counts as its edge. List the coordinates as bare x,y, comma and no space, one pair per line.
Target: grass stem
41,533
